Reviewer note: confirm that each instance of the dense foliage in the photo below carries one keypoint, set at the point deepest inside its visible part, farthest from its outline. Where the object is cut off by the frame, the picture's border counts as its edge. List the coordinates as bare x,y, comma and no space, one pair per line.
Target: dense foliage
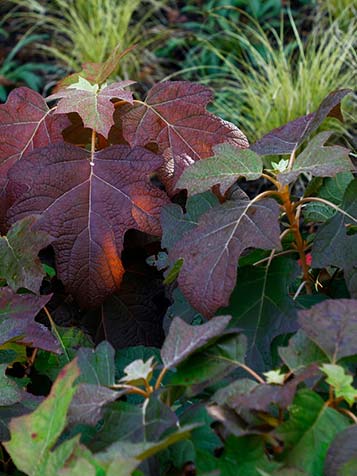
255,374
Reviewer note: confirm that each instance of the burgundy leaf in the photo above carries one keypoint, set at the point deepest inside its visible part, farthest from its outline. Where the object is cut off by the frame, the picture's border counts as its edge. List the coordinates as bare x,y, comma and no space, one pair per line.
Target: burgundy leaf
92,103
285,139
332,325
183,339
17,312
19,262
211,251
175,117
25,124
88,208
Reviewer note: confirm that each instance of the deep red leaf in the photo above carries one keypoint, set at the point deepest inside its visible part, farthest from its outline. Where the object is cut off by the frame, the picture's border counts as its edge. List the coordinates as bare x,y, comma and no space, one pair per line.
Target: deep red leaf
88,208
17,312
211,250
175,117
25,124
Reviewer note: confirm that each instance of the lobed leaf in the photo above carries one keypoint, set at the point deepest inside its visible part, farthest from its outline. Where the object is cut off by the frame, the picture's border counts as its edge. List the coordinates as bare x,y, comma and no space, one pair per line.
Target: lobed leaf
19,262
332,325
183,339
88,208
26,123
93,103
227,165
318,160
174,117
34,436
287,138
17,312
211,250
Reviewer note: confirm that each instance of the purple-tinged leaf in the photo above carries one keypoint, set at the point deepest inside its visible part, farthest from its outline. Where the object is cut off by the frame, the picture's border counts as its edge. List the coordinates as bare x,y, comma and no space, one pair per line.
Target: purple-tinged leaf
333,245
342,450
224,168
183,339
26,123
211,251
332,325
88,208
318,160
17,313
92,103
174,116
175,223
285,139
88,402
19,262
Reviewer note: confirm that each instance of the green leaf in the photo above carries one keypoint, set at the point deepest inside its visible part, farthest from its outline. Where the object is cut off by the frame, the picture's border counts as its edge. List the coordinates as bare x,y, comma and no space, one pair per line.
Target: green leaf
245,456
9,392
207,366
19,262
318,160
262,308
224,168
309,431
341,382
183,339
34,436
175,223
301,352
332,190
138,372
334,246
97,365
276,377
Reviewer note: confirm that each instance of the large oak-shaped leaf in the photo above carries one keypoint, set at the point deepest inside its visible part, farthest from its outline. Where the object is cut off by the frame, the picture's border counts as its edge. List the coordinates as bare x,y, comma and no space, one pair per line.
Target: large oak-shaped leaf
17,312
88,208
332,325
92,103
211,251
174,116
25,123
285,139
19,262
318,160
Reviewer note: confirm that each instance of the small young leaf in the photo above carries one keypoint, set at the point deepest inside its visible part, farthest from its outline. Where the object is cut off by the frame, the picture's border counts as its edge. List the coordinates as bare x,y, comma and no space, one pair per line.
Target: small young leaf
138,372
318,160
33,436
288,137
92,103
341,382
211,251
19,262
183,339
276,377
332,325
17,312
224,168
